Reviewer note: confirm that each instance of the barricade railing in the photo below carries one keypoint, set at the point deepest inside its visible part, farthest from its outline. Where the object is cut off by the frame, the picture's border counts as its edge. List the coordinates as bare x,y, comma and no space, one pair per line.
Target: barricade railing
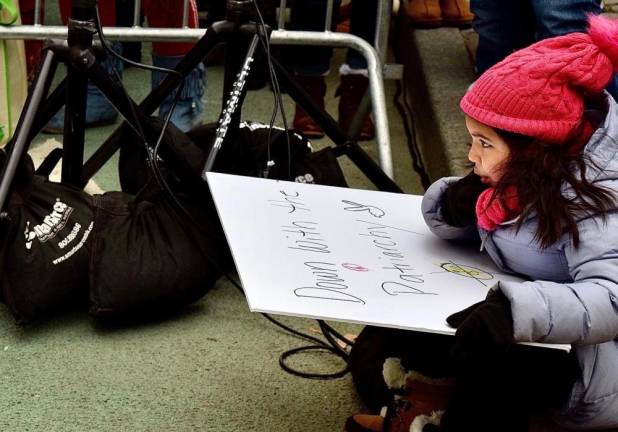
375,54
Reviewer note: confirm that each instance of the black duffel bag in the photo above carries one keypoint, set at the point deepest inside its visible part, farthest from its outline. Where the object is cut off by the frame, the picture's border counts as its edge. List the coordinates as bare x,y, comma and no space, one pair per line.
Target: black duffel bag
145,252
46,246
247,154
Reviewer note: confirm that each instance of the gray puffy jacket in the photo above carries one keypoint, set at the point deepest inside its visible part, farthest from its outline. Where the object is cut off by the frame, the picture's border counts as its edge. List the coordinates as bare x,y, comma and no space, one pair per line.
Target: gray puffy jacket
572,295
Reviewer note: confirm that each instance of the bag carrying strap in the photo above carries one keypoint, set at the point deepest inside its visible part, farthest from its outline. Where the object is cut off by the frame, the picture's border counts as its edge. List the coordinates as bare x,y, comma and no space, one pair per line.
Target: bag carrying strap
9,12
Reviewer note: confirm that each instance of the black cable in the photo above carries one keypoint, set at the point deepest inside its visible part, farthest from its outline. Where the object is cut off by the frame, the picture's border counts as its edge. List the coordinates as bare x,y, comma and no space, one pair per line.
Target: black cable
152,155
337,334
278,105
124,59
329,333
333,348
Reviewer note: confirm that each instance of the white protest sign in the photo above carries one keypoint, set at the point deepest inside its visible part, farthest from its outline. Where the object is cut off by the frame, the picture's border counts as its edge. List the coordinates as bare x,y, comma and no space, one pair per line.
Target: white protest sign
346,255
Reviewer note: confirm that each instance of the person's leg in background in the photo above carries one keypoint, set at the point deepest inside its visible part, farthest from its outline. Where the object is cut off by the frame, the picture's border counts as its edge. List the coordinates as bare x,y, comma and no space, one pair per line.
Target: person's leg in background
33,47
503,26
435,13
124,18
354,78
311,64
99,111
423,13
189,108
559,17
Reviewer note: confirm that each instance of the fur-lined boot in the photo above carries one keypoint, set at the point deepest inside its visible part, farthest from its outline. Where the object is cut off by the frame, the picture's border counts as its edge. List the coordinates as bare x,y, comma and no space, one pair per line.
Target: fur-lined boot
419,400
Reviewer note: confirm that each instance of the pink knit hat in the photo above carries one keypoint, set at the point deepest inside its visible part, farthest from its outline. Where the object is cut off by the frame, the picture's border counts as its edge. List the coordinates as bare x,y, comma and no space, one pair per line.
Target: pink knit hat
538,91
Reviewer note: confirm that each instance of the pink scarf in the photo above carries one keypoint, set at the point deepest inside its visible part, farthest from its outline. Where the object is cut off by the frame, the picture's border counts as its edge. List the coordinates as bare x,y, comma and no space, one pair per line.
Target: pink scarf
491,213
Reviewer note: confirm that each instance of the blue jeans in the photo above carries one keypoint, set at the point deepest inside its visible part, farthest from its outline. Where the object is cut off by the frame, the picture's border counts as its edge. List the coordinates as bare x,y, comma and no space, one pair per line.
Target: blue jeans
309,15
189,108
504,26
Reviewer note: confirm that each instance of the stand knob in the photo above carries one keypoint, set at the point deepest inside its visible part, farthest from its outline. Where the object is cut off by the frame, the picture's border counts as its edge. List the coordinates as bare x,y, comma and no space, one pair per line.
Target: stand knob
238,10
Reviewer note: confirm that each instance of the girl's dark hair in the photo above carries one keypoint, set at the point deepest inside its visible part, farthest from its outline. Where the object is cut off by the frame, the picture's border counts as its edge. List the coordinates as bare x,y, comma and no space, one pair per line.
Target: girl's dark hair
538,171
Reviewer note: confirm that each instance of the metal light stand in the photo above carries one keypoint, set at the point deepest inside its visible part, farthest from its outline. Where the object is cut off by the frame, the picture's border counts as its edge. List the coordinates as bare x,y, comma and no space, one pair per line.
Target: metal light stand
83,63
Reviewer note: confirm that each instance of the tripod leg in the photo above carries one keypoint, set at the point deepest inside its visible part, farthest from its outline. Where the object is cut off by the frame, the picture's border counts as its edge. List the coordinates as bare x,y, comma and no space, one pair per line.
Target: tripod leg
359,119
332,129
230,115
49,108
21,140
74,126
213,36
114,93
368,166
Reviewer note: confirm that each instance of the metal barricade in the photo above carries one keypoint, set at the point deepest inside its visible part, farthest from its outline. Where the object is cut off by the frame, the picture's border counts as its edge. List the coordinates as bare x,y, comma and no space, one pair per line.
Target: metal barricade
375,55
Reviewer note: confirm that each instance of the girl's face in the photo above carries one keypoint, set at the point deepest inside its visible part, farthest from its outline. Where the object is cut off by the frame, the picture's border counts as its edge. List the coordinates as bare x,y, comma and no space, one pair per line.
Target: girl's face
488,151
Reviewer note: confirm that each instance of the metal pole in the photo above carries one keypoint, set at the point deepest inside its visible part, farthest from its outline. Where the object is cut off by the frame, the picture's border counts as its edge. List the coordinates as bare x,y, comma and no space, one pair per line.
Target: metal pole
37,12
328,22
383,22
185,14
278,37
383,15
22,132
137,13
282,14
374,70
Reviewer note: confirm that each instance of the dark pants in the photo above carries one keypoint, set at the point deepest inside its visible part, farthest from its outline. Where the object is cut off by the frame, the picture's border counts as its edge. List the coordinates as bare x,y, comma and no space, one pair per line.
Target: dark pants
496,391
504,26
309,15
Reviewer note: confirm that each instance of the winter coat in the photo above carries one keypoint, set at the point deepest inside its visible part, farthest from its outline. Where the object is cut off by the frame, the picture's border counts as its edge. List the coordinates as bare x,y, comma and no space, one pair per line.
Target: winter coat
572,294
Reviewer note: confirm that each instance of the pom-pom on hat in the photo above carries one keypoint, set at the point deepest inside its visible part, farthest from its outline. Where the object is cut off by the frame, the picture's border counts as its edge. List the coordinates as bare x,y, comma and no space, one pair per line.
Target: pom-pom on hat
539,91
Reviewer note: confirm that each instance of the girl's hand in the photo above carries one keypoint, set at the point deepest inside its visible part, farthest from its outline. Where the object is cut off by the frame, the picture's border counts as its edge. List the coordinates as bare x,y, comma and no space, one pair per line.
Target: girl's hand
458,201
483,328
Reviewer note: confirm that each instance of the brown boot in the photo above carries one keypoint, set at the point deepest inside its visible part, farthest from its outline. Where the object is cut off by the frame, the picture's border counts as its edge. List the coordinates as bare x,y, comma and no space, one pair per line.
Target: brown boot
315,86
351,92
364,423
424,13
456,13
424,403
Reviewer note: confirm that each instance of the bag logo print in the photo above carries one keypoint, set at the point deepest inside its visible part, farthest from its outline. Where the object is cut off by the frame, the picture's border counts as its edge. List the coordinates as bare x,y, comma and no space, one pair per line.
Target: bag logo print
51,225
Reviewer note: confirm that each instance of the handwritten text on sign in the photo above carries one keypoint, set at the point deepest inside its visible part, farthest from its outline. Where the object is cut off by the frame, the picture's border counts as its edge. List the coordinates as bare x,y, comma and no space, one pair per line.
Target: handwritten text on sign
345,254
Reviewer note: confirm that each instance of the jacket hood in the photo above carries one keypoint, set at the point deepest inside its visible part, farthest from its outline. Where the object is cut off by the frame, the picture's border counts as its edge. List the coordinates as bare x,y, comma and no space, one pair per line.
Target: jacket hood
602,148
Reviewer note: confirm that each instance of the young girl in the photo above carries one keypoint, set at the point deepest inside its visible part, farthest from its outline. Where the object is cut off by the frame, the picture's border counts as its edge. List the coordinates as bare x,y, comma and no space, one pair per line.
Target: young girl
543,200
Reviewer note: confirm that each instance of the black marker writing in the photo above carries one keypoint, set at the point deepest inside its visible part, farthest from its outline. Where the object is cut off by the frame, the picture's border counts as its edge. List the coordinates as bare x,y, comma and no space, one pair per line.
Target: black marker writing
356,207
375,225
306,237
291,201
406,279
328,285
395,288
